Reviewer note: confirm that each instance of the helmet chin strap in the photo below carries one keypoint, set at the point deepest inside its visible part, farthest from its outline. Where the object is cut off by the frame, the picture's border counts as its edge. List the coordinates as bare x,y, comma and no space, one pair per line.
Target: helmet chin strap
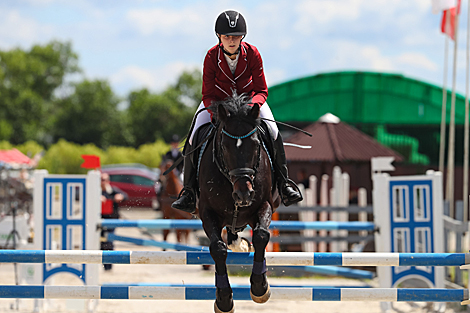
221,46
228,53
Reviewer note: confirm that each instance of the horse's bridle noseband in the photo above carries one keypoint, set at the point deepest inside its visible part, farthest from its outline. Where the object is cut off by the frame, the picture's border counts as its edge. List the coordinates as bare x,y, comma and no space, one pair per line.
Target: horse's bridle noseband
236,174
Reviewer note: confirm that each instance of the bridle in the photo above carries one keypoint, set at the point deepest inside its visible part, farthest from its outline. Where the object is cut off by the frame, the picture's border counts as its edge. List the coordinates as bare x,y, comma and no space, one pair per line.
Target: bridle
234,175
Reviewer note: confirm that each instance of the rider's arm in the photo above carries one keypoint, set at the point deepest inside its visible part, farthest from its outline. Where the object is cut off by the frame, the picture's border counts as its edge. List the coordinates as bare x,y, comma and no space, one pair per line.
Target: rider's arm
208,81
260,89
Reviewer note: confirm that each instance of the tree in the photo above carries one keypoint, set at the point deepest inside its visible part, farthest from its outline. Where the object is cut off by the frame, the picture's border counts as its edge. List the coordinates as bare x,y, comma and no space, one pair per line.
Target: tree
155,116
90,115
28,80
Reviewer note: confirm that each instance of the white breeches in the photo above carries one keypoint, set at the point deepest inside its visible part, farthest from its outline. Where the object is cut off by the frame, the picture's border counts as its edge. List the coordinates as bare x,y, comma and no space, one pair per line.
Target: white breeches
205,117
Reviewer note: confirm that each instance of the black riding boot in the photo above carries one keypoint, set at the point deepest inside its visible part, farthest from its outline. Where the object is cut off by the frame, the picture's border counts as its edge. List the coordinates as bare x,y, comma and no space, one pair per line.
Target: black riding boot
187,199
289,191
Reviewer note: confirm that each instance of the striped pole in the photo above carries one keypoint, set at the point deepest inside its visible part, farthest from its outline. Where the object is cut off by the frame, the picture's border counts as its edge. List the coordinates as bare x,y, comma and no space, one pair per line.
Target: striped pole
231,285
239,293
279,225
233,258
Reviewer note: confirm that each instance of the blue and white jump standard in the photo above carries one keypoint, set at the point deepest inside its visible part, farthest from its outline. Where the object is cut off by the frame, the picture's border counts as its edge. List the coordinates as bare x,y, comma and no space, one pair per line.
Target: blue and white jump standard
234,258
239,293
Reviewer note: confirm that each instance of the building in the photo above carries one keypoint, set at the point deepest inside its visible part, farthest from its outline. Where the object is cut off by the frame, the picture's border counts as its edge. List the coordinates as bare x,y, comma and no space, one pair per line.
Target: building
399,112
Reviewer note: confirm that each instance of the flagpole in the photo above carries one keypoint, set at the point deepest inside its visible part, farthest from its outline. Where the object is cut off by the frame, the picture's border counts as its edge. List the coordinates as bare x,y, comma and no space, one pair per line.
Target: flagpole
466,126
451,154
442,144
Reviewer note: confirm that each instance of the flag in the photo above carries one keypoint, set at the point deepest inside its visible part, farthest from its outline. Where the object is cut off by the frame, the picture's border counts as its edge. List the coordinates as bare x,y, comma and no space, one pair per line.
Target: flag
448,20
442,5
91,161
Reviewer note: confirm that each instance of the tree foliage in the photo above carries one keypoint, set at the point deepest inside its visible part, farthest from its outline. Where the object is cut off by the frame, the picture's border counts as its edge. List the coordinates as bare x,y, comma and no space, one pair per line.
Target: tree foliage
37,104
64,157
28,80
153,116
90,115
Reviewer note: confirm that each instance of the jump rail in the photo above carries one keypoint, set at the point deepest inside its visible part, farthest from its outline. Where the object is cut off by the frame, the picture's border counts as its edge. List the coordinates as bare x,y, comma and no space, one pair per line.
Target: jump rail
280,225
239,293
233,258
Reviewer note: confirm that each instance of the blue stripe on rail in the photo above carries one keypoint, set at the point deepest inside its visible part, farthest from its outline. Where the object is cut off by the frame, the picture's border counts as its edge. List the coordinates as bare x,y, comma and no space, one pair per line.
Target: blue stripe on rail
116,257
114,293
198,293
29,292
155,243
335,271
431,295
431,259
328,259
193,257
23,256
326,294
233,258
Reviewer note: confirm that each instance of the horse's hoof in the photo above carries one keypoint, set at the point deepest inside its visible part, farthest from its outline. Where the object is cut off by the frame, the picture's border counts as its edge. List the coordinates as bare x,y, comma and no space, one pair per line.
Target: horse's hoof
224,298
217,310
261,299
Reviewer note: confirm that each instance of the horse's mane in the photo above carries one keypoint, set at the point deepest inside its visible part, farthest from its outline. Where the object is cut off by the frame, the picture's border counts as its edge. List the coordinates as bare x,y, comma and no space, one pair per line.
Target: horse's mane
237,108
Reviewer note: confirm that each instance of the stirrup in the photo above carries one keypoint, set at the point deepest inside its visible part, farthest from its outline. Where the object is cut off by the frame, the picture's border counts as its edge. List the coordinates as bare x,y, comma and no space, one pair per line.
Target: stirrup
192,201
284,198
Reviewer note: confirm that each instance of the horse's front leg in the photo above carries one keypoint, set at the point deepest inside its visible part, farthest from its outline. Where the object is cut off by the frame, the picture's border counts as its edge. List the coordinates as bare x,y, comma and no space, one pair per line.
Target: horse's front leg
218,249
260,291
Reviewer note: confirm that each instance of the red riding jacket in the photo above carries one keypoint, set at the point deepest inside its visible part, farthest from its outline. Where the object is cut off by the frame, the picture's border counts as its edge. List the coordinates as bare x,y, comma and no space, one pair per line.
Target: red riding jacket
218,81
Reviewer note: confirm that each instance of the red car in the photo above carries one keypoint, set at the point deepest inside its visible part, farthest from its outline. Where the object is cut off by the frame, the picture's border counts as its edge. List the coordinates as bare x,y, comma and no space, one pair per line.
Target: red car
137,180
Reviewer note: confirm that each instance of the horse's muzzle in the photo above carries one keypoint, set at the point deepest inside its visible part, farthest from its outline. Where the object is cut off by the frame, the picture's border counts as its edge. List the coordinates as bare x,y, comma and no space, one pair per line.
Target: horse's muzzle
242,182
243,193
243,198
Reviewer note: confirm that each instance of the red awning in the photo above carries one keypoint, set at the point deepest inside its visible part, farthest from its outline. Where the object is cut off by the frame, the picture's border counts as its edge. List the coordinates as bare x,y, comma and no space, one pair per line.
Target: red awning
13,156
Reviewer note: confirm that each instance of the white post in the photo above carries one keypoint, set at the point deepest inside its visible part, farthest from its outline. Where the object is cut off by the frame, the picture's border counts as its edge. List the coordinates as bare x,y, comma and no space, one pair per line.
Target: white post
344,202
362,202
323,215
311,200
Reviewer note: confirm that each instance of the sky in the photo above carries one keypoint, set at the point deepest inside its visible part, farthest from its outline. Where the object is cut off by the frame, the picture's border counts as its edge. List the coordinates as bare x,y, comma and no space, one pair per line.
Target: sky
138,44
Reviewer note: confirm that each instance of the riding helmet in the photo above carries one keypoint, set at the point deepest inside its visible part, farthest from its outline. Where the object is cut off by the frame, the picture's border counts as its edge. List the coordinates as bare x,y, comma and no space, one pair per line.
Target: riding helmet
230,23
175,138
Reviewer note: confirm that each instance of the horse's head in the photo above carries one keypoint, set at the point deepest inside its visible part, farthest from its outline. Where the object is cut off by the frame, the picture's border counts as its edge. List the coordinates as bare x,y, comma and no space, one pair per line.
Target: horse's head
239,146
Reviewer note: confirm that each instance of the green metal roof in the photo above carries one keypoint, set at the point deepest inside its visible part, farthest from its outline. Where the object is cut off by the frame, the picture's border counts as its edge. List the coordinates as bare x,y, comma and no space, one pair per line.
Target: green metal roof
362,98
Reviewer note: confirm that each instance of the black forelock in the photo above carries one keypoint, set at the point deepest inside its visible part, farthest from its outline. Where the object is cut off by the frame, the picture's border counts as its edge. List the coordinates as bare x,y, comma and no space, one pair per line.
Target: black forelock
237,106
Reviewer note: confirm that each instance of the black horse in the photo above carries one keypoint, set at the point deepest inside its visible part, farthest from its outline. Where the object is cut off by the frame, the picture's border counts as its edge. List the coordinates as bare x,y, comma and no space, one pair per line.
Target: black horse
236,190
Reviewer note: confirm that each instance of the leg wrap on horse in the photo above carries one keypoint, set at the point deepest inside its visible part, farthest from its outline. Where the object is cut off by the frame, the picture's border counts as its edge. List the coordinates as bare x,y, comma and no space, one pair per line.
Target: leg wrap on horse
221,281
259,267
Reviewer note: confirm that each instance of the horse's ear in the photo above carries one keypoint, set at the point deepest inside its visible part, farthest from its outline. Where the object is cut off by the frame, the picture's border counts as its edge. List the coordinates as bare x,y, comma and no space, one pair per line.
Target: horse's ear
255,111
222,113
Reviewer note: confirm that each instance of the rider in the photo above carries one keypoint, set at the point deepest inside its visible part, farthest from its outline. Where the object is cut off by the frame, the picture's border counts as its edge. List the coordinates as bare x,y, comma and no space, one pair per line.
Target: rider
234,65
174,154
